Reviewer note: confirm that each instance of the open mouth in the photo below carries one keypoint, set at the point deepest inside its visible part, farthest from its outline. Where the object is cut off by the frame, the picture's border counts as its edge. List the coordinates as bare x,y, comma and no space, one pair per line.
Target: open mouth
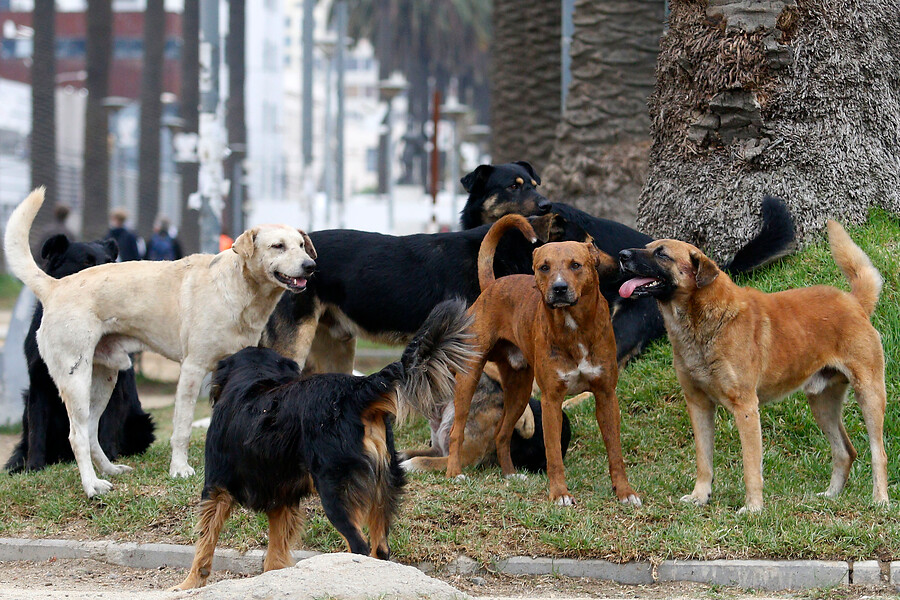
294,284
640,286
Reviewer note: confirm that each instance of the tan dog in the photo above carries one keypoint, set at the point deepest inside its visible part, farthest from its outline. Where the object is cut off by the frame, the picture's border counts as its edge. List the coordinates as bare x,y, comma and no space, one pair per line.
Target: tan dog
196,310
741,348
553,326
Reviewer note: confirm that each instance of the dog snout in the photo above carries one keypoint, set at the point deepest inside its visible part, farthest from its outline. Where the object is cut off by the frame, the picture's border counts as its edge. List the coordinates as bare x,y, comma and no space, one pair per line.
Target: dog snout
309,266
560,288
543,205
625,257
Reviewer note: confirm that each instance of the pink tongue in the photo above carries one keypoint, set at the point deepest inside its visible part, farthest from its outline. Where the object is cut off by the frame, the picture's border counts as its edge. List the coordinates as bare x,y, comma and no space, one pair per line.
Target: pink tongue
300,281
629,286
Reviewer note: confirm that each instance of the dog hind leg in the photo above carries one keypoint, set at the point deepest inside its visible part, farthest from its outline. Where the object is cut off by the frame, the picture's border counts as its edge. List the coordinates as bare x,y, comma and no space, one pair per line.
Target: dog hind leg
516,393
103,381
284,525
76,393
214,511
826,409
867,379
462,401
185,398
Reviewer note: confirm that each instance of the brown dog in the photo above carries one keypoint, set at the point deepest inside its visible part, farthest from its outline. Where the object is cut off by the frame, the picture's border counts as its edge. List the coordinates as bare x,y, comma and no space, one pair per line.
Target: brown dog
741,348
553,326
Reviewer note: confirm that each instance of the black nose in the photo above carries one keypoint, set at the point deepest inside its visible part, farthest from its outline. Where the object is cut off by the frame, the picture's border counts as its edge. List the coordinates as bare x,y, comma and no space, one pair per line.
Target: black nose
544,205
625,254
560,288
309,266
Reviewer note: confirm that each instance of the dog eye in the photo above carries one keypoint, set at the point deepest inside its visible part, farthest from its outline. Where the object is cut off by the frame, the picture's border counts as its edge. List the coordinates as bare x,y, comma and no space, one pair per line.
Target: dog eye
544,268
576,266
514,186
278,246
660,254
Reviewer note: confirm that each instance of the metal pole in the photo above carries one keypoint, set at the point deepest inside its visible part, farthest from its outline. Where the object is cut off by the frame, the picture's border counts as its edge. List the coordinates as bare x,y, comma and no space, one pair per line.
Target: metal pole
327,147
307,119
211,145
435,158
341,14
453,169
388,163
568,30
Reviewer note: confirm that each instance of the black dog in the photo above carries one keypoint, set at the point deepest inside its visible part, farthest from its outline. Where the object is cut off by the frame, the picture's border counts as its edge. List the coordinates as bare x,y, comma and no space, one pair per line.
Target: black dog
496,190
275,438
125,429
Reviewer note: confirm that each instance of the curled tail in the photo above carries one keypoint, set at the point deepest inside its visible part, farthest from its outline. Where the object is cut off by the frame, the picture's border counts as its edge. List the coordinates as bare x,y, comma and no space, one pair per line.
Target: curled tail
493,237
776,238
865,280
18,252
425,373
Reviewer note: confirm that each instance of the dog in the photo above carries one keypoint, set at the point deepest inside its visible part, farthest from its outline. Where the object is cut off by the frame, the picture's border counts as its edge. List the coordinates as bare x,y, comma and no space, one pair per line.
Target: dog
526,447
125,429
275,438
195,310
554,327
741,348
497,190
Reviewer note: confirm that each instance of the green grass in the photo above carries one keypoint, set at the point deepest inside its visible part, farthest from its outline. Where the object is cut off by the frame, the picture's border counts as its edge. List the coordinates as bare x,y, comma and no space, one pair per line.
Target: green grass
9,291
487,516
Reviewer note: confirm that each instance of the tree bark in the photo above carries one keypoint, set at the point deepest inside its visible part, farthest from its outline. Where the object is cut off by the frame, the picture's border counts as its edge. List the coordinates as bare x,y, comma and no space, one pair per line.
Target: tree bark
151,113
525,80
43,108
95,174
602,147
800,100
189,232
235,121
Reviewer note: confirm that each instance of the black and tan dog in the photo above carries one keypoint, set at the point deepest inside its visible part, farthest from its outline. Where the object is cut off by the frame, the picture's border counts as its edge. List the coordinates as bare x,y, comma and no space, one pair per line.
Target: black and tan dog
554,327
741,348
275,438
497,190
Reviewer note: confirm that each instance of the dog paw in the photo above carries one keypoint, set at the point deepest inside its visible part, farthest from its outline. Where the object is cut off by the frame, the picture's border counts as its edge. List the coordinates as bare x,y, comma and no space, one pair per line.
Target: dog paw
517,476
695,500
182,471
99,486
631,499
460,477
115,469
408,466
565,500
752,508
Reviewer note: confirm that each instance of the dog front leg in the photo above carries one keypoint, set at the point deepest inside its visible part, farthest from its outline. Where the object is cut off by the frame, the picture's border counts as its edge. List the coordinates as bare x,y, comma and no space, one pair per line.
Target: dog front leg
746,415
606,410
702,412
185,398
552,396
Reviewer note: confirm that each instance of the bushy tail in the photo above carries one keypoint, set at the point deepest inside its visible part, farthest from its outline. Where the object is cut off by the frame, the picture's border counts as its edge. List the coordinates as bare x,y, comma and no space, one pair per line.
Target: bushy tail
424,375
865,280
493,237
776,238
18,251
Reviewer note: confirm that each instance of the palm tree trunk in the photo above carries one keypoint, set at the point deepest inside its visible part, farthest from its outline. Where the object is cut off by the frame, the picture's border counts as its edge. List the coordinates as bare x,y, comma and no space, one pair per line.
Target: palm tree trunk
797,100
151,112
95,174
235,122
189,232
525,80
602,145
43,108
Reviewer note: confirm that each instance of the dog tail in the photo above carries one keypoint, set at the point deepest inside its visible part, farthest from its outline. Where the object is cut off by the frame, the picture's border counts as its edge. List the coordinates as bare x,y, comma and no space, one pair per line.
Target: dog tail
493,237
865,280
424,375
776,238
18,252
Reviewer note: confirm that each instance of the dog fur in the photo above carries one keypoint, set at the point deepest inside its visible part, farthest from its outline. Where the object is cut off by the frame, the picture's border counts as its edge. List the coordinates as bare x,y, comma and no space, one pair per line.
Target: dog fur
741,348
496,190
275,438
125,429
553,327
196,311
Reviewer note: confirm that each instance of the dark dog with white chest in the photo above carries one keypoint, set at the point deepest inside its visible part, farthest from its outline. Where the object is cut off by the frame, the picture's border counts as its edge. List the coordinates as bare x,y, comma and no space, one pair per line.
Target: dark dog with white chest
275,438
125,429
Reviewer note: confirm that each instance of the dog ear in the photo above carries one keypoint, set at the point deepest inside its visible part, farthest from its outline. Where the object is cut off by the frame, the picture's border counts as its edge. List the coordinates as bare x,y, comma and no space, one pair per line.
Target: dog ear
111,247
476,178
54,246
605,264
705,270
527,166
245,243
544,226
308,245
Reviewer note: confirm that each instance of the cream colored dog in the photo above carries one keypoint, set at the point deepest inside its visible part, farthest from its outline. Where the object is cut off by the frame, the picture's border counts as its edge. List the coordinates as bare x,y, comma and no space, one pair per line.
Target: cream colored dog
196,310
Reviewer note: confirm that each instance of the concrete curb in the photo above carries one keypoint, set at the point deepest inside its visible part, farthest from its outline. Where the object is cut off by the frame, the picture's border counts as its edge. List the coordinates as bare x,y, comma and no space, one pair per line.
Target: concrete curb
758,574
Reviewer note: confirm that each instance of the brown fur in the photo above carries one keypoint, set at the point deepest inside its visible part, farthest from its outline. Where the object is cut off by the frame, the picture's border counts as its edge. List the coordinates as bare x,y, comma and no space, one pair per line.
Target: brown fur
741,348
568,349
214,511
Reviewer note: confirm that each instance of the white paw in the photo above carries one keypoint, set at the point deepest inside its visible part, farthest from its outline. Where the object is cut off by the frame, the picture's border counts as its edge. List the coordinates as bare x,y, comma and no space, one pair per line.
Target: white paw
117,469
696,501
517,476
827,494
566,500
181,471
408,466
99,486
460,477
755,508
632,499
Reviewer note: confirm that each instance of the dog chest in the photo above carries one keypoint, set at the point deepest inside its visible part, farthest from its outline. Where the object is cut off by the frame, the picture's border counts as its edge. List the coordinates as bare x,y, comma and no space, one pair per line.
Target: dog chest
580,370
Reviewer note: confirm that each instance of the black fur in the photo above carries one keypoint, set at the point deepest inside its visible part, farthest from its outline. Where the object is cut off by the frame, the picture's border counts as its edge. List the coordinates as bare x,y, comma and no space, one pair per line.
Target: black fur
530,454
275,438
125,429
637,321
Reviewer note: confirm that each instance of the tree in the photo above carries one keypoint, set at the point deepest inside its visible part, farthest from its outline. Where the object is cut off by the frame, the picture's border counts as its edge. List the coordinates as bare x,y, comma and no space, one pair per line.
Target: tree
151,113
798,100
525,80
43,108
602,145
235,122
95,174
189,232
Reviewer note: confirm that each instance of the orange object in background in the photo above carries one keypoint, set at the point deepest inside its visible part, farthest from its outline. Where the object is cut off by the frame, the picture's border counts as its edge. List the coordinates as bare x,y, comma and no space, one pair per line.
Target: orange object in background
225,242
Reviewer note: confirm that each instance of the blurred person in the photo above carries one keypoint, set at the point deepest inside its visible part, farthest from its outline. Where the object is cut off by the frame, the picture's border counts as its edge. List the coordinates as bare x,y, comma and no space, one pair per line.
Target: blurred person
129,243
58,226
162,245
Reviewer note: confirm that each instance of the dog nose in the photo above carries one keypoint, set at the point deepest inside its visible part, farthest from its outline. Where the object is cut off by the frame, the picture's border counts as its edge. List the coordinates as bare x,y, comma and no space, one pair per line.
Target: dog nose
309,266
625,255
544,205
560,288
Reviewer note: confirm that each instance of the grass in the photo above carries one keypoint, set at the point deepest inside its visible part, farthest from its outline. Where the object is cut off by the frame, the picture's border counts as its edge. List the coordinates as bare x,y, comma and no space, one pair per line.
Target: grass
486,516
9,291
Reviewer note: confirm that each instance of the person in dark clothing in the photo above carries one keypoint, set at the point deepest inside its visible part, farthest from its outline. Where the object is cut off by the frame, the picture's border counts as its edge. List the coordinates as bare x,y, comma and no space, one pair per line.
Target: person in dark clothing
162,246
127,240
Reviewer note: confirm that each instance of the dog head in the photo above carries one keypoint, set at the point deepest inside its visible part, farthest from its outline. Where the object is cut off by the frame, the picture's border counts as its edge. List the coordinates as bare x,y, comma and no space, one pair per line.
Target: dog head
278,253
566,271
497,190
664,269
62,257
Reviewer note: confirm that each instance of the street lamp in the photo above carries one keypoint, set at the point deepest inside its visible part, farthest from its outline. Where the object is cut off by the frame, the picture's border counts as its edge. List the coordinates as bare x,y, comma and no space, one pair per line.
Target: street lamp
455,112
478,134
390,88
